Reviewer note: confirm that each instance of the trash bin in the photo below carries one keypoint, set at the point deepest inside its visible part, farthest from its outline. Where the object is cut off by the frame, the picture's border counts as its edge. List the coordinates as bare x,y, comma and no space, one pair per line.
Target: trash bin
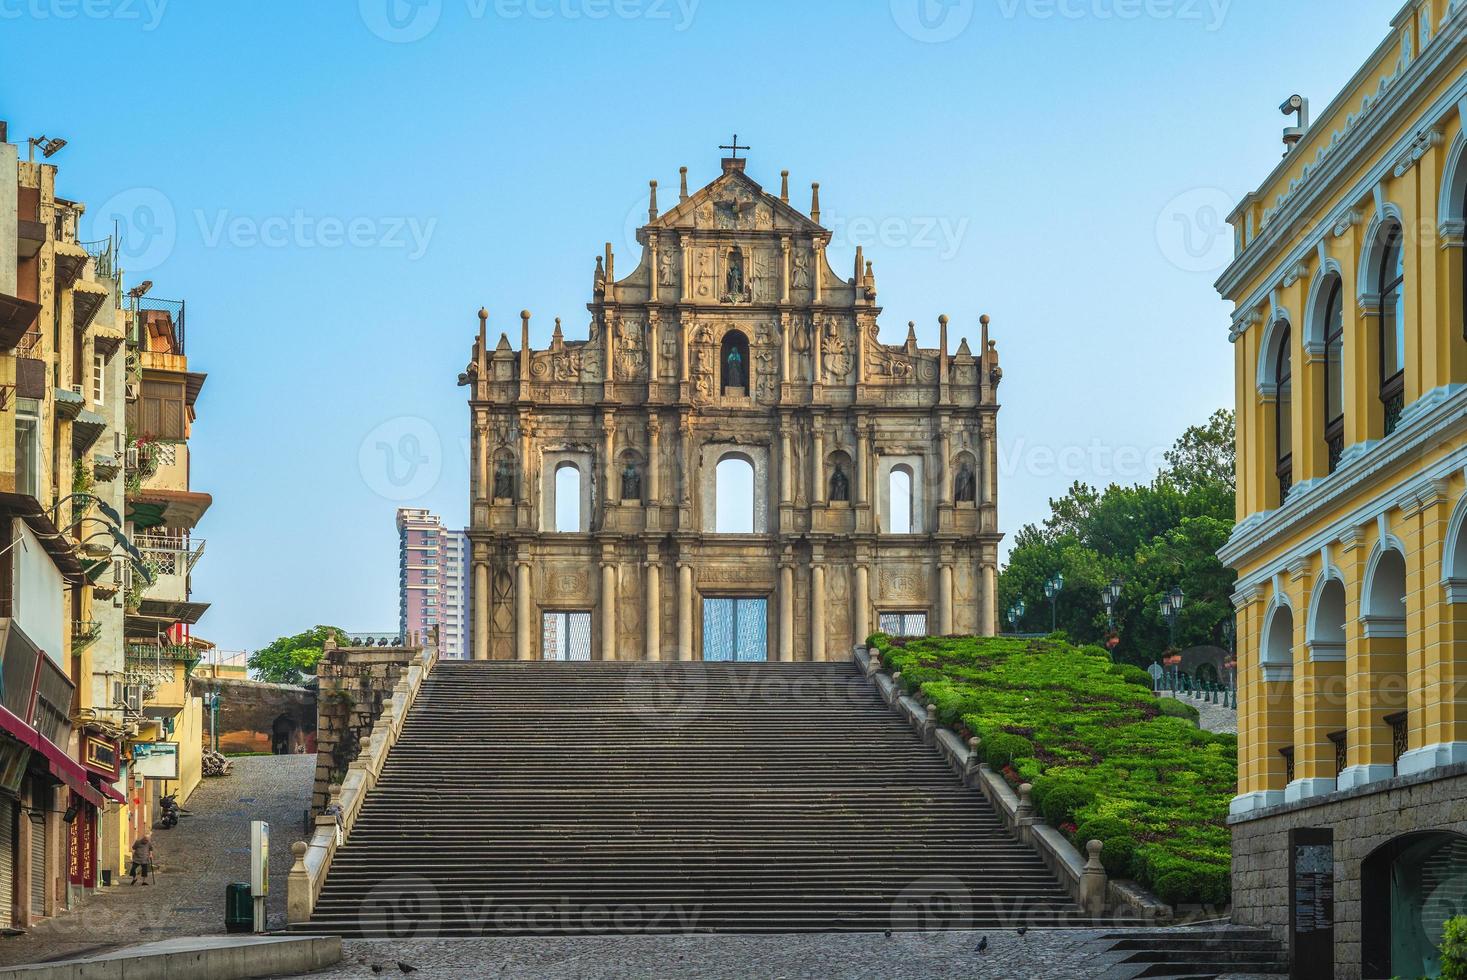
239,908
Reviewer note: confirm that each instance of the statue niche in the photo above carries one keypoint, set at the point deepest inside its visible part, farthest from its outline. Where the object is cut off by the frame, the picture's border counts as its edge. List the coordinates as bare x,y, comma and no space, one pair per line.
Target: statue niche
503,478
733,277
965,484
631,481
733,363
840,484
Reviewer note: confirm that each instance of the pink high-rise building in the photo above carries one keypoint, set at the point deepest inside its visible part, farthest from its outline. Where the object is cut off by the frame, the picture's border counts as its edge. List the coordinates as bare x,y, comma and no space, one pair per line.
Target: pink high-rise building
433,589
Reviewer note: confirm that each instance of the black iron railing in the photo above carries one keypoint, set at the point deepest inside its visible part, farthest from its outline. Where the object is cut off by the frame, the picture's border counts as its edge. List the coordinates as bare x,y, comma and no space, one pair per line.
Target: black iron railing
1399,737
1394,405
104,257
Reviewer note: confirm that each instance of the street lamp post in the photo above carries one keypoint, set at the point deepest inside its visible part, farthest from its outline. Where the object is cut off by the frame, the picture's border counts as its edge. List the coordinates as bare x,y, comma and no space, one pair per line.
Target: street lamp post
1171,611
1016,614
1052,589
1111,595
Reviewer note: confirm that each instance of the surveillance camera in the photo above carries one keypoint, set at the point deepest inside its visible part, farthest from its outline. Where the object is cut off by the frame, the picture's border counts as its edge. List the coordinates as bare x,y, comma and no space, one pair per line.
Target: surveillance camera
1292,105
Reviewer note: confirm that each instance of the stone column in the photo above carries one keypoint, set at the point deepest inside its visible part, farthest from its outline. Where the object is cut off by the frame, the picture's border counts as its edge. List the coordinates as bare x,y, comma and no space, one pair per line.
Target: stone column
863,460
988,596
786,472
654,461
784,274
945,467
687,270
526,432
689,473
817,612
481,609
862,613
817,268
654,611
945,600
608,610
988,485
684,611
786,613
481,461
608,464
522,613
654,278
817,462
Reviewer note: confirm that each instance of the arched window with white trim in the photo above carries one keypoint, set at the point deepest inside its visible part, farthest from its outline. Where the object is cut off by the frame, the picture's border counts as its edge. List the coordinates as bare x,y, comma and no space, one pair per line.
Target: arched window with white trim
1283,372
1391,278
1334,372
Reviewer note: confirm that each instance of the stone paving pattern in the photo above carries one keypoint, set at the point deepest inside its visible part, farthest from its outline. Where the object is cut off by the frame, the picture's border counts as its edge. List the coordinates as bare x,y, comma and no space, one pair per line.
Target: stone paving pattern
1213,717
1038,955
196,860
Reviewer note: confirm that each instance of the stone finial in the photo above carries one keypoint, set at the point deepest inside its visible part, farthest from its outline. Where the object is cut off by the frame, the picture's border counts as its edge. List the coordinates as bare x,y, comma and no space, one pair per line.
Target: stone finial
929,725
600,278
483,315
860,264
1093,880
912,332
557,335
815,202
652,203
970,769
683,181
1025,811
784,186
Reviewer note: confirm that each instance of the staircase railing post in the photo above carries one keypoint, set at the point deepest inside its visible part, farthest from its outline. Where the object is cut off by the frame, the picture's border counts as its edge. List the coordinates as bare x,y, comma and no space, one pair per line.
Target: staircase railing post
298,898
1093,881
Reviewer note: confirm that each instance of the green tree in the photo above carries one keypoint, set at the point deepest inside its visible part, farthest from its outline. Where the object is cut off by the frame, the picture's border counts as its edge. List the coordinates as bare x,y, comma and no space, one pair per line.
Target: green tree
1155,536
290,658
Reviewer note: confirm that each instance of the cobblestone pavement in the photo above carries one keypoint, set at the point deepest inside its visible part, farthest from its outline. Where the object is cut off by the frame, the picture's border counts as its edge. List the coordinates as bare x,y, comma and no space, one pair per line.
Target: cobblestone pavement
206,851
1213,717
1039,955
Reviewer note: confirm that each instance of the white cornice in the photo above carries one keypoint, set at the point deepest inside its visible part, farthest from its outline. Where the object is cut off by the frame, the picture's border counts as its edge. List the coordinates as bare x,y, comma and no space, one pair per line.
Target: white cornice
1254,538
1334,167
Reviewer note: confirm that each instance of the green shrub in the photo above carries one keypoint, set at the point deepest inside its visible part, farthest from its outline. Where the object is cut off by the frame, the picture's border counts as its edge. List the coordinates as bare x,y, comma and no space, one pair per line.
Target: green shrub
1099,748
1454,949
1062,802
1002,749
1173,708
1132,674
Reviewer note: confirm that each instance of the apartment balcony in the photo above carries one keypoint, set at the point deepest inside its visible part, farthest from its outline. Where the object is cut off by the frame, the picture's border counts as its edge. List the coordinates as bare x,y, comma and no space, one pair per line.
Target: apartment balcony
161,670
104,257
170,559
156,332
87,299
84,633
16,317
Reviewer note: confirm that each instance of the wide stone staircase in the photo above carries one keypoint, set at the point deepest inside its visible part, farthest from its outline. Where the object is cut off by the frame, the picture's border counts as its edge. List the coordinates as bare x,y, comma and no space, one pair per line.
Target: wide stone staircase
672,797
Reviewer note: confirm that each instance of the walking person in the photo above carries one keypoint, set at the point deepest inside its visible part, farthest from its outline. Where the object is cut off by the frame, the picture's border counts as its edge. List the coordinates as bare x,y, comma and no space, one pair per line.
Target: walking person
142,858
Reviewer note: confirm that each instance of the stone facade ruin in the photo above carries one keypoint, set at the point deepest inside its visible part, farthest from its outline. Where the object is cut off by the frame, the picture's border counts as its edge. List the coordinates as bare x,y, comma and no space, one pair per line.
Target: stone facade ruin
858,478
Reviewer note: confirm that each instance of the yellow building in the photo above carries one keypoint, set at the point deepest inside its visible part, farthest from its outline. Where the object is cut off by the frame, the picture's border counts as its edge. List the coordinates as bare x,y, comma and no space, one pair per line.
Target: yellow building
1351,546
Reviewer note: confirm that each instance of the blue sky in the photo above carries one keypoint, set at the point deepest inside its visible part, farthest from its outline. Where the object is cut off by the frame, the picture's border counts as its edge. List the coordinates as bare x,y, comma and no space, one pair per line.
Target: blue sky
336,187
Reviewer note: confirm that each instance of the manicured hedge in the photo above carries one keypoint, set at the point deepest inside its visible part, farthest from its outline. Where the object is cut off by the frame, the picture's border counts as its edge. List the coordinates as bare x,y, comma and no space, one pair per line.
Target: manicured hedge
1105,762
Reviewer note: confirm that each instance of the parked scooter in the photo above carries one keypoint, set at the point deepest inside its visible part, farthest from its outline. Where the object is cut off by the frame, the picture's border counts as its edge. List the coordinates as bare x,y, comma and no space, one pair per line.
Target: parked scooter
170,808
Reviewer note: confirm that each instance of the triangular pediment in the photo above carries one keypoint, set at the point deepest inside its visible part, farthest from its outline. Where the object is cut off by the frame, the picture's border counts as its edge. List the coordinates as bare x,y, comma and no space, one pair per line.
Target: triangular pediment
735,202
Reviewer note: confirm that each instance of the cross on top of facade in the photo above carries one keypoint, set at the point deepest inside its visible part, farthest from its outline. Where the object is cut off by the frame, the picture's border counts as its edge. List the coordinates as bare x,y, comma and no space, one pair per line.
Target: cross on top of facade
735,147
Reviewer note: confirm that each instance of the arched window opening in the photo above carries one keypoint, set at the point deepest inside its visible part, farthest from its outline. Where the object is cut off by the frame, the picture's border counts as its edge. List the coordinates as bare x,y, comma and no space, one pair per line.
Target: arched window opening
1334,373
1393,327
1284,416
1278,646
733,495
899,493
1385,601
1327,633
568,498
734,364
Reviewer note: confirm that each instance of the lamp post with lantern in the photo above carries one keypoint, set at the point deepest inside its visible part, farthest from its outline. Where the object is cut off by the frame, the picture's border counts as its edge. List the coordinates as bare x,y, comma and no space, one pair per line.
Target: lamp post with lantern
1111,596
1052,589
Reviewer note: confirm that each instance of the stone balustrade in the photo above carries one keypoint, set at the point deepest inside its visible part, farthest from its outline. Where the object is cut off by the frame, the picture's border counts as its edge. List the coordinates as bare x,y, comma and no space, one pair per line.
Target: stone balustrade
333,827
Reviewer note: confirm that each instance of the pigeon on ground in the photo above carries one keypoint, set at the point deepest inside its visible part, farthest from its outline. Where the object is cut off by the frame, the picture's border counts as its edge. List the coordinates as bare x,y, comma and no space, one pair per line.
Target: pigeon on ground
376,967
1023,929
888,934
406,967
983,945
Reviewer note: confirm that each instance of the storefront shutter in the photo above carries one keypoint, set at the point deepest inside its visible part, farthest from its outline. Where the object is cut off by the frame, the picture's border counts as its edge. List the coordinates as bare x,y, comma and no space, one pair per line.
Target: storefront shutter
7,862
38,865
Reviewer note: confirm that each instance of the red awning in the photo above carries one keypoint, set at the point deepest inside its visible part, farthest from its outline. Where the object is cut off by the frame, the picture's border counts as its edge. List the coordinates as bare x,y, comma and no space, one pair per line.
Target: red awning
62,766
112,794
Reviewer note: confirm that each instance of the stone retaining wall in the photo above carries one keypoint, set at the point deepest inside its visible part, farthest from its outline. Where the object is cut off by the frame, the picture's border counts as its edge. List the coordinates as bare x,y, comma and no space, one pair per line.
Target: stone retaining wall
354,683
1362,819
